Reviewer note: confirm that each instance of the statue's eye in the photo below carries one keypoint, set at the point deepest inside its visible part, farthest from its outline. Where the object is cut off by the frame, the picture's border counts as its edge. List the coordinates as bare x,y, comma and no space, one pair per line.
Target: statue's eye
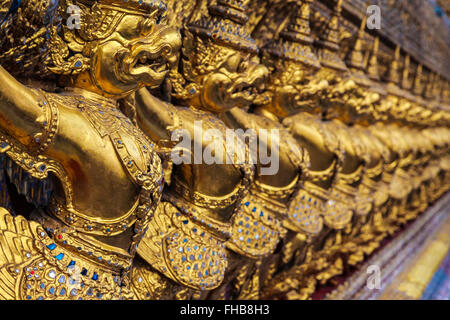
243,66
233,62
147,26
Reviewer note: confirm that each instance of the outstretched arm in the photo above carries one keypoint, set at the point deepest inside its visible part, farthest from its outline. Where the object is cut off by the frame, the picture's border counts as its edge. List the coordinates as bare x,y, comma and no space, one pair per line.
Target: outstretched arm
154,116
20,113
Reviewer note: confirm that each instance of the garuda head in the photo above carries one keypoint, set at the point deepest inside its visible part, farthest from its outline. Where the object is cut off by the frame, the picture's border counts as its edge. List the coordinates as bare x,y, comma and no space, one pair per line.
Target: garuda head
112,47
220,68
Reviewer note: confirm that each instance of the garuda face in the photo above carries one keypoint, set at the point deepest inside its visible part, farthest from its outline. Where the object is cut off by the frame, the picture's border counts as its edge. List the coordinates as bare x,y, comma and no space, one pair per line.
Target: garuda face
236,82
139,53
293,88
117,49
220,77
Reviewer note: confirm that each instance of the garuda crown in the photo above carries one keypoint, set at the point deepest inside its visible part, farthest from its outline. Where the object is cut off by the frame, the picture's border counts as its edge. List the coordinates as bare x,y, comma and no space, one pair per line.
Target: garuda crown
144,7
226,25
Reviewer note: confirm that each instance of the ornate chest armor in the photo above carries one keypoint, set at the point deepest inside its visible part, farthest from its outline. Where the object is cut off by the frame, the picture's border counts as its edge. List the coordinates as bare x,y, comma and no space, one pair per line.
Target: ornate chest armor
70,242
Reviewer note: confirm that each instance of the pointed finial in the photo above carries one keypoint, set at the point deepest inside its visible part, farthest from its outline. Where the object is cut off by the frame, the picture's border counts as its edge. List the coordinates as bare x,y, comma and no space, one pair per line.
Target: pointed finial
429,86
405,76
394,76
418,86
328,42
437,87
429,90
295,42
355,58
372,69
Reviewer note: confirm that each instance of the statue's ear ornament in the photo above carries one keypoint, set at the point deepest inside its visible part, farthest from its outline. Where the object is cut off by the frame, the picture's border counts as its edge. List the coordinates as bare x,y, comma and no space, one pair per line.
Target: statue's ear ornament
59,51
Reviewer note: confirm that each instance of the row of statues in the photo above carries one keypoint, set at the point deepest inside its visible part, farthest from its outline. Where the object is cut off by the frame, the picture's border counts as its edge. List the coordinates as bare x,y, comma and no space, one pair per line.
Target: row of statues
93,207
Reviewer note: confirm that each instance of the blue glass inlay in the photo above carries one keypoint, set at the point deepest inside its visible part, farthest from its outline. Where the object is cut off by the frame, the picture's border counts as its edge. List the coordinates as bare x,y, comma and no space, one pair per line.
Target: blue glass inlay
59,256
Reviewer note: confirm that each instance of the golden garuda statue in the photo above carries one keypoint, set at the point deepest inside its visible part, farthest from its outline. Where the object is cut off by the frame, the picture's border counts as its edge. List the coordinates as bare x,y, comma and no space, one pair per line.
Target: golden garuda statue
207,149
105,175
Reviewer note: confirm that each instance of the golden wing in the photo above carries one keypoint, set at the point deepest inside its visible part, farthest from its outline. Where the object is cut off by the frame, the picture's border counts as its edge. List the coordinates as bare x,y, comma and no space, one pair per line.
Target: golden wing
18,238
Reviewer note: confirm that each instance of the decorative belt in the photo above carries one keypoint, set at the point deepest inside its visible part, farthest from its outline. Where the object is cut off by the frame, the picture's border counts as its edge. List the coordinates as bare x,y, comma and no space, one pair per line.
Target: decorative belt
322,176
375,171
404,162
221,230
212,202
274,199
345,191
349,178
390,167
271,192
92,225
